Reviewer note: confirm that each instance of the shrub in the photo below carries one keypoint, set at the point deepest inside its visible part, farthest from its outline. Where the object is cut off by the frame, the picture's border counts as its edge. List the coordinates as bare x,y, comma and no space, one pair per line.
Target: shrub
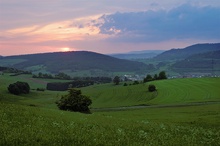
151,88
19,88
135,83
125,84
40,89
74,101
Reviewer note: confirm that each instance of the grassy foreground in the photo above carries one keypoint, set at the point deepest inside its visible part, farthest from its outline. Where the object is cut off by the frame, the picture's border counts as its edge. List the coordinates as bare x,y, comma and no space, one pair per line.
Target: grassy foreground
34,119
23,125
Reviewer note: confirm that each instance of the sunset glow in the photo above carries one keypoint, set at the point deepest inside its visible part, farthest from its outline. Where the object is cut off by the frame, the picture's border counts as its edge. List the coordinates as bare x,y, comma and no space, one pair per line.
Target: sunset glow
108,27
65,49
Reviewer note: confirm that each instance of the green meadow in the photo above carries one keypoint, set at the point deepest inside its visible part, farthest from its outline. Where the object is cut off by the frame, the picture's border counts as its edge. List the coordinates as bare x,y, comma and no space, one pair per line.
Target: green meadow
181,112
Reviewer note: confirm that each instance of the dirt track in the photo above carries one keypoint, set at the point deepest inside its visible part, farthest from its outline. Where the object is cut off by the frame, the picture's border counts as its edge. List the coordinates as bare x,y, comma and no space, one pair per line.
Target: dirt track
155,106
38,81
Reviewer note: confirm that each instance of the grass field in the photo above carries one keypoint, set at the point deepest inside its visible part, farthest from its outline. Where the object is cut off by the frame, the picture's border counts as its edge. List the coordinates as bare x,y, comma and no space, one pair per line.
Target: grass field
173,91
34,119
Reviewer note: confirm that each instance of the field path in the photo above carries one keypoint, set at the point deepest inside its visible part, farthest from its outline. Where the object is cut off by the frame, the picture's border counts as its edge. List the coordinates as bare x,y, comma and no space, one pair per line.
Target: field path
155,106
37,81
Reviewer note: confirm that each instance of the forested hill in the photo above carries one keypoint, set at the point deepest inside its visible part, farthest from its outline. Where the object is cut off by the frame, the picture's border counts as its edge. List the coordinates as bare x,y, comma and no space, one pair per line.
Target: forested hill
75,61
177,54
204,62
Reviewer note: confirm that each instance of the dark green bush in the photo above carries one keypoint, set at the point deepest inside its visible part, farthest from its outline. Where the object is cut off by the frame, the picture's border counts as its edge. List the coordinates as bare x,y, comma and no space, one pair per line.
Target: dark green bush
135,83
125,84
19,88
151,88
40,89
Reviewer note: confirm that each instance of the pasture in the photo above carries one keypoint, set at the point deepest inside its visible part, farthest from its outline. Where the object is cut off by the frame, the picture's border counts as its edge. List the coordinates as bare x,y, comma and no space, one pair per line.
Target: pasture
34,119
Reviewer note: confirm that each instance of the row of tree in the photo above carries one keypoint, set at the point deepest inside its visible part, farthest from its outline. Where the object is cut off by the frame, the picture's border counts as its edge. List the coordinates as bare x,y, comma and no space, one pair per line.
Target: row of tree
13,70
162,75
60,86
60,75
64,76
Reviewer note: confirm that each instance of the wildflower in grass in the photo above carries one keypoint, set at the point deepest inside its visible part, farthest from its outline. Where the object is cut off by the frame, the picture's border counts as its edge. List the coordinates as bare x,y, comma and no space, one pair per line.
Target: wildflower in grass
120,131
142,134
162,126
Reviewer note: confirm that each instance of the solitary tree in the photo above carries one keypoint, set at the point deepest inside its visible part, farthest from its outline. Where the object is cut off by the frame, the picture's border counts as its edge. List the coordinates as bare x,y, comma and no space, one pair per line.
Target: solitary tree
74,101
116,80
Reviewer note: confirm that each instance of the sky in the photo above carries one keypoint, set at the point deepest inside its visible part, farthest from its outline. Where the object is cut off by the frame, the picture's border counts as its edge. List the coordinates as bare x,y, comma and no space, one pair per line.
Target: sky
106,26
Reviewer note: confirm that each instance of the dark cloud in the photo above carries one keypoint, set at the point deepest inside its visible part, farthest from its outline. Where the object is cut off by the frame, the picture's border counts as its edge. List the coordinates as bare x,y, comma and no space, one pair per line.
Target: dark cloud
183,22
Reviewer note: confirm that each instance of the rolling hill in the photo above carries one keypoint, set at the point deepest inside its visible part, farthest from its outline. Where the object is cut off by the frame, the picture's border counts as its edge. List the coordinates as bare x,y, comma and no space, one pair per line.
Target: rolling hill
205,62
183,112
138,54
179,54
74,61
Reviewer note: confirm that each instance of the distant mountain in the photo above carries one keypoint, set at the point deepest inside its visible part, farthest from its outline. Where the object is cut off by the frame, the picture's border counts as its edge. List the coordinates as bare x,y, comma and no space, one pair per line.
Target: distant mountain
75,61
204,62
179,54
138,54
134,56
145,51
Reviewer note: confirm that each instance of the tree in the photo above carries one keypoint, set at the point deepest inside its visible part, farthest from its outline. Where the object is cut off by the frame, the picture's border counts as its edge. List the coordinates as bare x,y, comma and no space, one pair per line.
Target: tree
155,77
135,83
19,88
162,75
125,84
40,74
148,78
116,80
151,88
74,101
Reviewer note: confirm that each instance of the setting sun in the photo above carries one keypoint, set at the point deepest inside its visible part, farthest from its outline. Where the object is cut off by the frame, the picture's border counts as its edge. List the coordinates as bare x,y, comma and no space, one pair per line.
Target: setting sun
65,49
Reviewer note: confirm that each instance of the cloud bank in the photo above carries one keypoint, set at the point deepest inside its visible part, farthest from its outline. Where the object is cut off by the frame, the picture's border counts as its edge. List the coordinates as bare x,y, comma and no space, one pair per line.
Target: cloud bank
106,27
183,22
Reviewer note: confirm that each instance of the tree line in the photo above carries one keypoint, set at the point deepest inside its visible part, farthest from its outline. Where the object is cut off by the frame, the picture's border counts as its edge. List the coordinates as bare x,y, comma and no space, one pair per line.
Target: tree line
64,76
162,75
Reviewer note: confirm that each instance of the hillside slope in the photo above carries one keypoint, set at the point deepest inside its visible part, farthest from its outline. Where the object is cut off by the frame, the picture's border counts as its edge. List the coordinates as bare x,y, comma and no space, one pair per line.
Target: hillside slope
205,62
75,61
178,54
175,91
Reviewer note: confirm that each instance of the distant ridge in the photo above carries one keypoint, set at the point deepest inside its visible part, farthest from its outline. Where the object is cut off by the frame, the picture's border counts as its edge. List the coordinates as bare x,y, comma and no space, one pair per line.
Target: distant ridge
178,54
75,61
137,54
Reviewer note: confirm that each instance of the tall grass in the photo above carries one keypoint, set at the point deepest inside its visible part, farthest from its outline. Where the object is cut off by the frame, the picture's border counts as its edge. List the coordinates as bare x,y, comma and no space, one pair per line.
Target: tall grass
22,125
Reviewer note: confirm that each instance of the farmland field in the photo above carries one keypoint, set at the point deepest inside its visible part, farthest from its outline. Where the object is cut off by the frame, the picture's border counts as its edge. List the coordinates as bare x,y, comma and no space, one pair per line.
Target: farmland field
34,119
